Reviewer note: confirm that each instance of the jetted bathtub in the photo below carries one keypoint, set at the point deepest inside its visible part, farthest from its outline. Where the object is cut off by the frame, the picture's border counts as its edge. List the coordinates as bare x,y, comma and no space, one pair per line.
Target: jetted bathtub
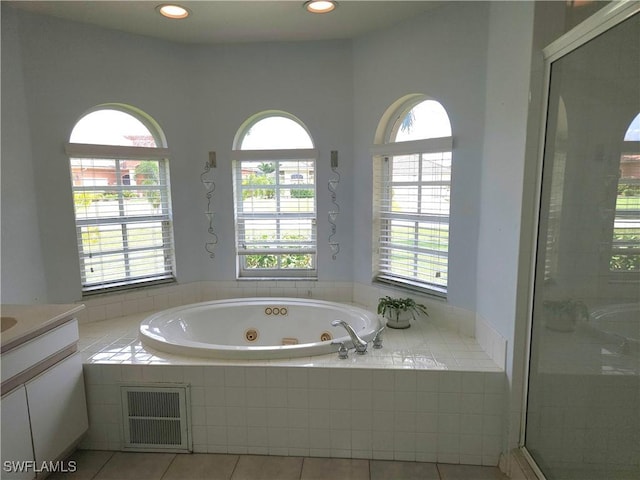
619,321
255,328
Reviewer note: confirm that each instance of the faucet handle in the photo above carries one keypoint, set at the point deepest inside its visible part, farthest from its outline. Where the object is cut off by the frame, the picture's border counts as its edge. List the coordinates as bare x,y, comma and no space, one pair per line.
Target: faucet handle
377,339
343,352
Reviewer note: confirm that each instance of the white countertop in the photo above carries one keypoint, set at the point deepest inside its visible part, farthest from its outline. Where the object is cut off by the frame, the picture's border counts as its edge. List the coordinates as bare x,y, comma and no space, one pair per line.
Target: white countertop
33,320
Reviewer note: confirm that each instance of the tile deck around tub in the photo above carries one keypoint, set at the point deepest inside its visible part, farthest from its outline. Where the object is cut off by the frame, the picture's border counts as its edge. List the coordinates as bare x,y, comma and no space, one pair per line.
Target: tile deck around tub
429,395
423,346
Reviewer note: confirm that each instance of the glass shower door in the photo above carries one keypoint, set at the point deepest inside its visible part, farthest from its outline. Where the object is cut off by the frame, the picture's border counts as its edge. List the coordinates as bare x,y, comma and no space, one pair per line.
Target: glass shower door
583,405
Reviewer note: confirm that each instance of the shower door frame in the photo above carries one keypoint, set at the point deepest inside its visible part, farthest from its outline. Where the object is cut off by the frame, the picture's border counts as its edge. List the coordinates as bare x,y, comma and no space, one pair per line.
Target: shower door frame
600,22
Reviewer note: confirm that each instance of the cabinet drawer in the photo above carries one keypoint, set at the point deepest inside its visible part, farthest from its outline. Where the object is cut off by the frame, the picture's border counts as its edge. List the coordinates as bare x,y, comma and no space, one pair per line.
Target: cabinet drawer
38,349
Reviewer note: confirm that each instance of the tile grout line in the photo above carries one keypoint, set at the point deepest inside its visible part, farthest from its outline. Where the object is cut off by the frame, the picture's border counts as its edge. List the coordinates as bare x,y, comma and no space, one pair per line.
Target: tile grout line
103,465
235,466
168,466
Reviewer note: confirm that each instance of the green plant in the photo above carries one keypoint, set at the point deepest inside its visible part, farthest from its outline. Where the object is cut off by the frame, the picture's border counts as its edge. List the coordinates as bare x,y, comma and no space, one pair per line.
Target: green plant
629,190
397,305
84,199
572,308
301,193
254,180
148,173
266,168
91,236
563,315
624,263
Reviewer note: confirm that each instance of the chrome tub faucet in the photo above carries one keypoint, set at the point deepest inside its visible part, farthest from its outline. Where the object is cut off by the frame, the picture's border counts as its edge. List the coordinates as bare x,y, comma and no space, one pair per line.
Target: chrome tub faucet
359,344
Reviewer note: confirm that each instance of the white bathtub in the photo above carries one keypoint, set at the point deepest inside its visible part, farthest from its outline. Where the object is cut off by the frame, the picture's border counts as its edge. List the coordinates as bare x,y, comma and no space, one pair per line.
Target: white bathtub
621,321
255,328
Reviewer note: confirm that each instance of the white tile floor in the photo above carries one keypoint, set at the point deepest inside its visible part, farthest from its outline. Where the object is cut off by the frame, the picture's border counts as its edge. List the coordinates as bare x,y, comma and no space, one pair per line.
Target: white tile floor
102,465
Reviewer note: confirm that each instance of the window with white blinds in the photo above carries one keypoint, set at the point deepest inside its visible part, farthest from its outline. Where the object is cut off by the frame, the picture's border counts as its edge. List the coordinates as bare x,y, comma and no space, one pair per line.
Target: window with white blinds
275,199
120,183
625,243
412,183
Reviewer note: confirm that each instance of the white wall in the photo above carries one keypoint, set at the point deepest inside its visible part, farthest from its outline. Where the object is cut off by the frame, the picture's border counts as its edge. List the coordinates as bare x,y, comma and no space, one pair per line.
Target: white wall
200,96
507,105
503,166
442,54
22,279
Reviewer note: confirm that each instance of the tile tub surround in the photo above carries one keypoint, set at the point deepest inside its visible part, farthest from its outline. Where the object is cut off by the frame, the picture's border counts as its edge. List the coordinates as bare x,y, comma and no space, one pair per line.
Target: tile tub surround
430,395
463,322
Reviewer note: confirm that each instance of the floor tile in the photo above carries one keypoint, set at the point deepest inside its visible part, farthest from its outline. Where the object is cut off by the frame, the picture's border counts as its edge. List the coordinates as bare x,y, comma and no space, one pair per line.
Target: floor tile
201,466
136,466
339,468
469,472
390,470
87,464
257,467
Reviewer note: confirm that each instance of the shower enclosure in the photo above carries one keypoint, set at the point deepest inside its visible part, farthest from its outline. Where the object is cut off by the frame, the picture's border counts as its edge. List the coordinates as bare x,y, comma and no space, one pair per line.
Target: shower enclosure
583,396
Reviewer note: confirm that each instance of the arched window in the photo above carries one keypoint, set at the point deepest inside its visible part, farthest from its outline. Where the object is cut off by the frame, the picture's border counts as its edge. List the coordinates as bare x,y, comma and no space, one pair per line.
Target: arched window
275,197
120,182
625,249
412,182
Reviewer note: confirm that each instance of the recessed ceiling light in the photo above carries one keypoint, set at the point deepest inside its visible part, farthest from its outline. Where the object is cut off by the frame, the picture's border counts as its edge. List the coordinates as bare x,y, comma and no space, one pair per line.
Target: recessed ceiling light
320,6
172,11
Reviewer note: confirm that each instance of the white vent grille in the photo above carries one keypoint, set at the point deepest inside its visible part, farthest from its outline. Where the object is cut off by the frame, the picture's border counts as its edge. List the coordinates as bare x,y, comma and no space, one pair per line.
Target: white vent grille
155,418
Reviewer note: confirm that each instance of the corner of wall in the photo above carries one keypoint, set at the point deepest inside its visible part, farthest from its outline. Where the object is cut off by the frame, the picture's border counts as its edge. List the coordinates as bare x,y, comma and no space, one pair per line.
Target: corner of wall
494,344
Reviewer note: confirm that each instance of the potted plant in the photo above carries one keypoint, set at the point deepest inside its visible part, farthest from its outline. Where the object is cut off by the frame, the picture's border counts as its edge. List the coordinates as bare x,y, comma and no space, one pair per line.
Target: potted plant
563,315
400,311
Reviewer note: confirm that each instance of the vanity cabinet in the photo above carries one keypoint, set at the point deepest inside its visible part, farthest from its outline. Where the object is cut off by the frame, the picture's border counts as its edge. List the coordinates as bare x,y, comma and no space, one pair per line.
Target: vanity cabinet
44,410
16,434
57,408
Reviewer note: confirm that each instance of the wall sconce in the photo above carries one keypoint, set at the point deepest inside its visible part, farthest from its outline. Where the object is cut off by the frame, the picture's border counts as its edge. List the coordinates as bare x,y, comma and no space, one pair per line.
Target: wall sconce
210,186
333,214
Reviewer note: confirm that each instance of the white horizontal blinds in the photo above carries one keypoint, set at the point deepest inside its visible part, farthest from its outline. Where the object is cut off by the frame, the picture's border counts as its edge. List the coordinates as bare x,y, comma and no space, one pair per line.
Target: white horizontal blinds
123,220
625,245
275,214
413,214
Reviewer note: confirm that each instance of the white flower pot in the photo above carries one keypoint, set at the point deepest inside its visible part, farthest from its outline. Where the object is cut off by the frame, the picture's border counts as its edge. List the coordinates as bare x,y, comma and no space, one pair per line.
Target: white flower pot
401,320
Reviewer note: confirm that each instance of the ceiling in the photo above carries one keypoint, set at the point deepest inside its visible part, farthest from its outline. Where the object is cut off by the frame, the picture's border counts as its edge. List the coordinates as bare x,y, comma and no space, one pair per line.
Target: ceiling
235,21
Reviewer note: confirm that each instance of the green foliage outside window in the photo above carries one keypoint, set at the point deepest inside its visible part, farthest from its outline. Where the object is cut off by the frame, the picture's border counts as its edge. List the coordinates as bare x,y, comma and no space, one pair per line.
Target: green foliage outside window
301,193
254,179
292,261
150,173
629,190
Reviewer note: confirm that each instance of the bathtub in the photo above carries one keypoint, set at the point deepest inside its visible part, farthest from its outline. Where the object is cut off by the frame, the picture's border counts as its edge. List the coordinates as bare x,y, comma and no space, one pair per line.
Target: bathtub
255,328
619,321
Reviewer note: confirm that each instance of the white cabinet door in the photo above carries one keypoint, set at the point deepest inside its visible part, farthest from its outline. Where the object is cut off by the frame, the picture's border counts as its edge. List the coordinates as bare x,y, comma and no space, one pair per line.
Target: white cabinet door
58,408
16,436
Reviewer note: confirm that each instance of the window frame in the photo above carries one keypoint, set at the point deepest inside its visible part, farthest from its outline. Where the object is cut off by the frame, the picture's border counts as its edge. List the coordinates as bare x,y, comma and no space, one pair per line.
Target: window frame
117,153
382,154
621,247
275,156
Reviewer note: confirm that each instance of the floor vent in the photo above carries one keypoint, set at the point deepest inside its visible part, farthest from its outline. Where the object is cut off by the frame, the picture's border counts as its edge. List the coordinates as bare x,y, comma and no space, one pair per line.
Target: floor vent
155,418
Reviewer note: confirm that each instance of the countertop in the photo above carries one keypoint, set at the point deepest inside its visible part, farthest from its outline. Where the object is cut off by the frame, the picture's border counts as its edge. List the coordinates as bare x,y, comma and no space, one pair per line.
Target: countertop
33,320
